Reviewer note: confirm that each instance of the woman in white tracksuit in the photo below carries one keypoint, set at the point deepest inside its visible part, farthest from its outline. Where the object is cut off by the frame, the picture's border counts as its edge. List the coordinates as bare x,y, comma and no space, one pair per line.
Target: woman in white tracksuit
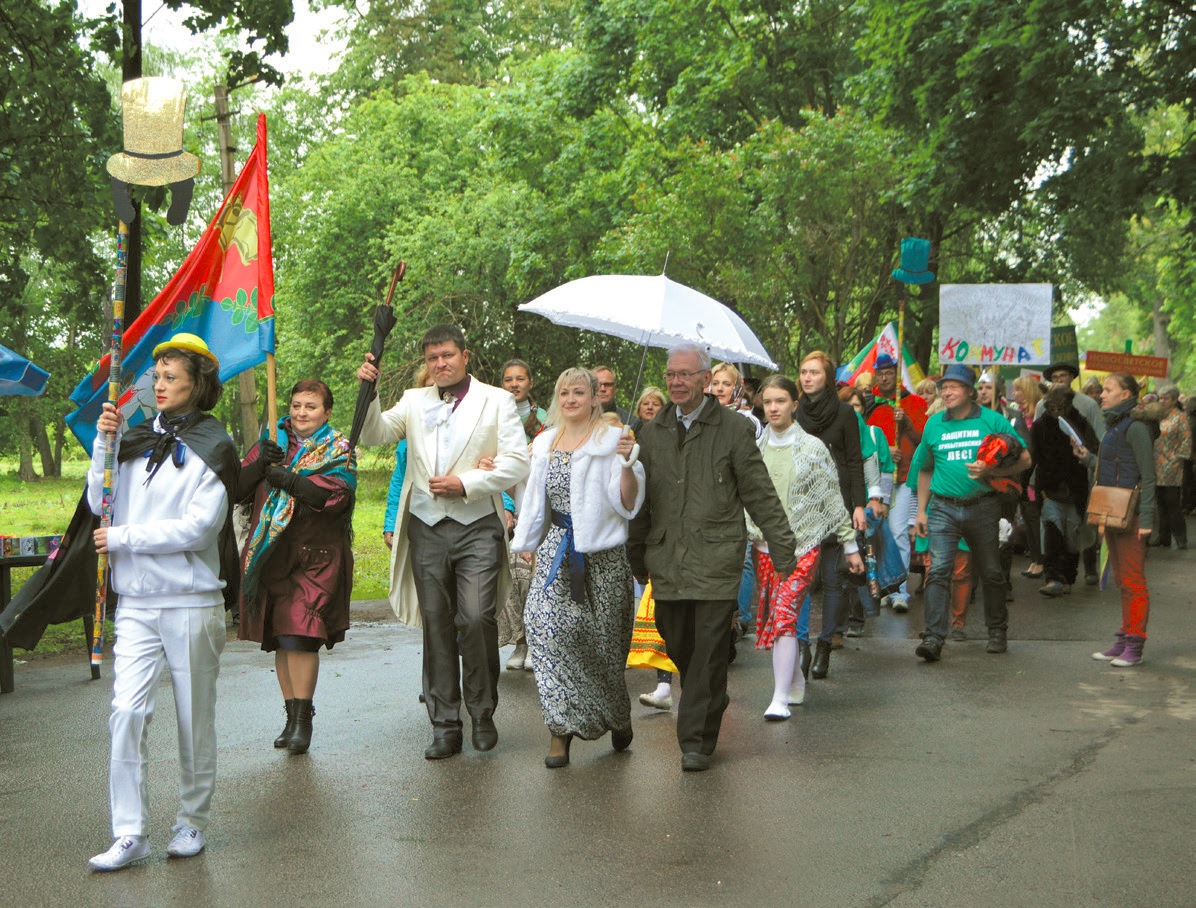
170,513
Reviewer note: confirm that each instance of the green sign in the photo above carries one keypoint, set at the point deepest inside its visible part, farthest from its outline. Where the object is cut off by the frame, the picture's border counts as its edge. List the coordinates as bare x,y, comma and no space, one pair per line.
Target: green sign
1064,348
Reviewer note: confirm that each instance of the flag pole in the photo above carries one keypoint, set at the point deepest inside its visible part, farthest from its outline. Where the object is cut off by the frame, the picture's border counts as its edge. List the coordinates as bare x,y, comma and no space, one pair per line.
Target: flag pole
118,317
271,398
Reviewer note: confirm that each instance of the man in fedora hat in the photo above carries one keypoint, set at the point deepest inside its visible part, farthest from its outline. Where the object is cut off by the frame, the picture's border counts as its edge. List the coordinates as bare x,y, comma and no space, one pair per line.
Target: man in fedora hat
903,427
956,500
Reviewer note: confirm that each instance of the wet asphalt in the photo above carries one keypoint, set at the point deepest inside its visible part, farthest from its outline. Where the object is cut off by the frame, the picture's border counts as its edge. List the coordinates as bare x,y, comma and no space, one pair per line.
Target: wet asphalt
1038,777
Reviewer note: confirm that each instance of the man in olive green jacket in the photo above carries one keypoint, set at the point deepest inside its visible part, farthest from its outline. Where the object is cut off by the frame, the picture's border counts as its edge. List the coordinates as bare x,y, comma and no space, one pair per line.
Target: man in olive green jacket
703,469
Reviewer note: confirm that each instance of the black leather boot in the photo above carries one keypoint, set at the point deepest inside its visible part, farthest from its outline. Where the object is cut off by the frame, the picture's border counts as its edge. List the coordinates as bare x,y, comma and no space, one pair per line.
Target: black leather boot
301,738
822,659
289,729
803,649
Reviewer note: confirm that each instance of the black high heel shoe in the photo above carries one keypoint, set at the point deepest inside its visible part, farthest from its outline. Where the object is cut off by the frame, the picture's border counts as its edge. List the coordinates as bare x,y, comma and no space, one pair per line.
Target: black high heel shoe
557,762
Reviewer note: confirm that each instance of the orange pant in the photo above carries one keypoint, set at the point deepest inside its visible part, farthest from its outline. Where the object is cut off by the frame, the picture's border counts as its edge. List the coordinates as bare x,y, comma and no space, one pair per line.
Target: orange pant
961,588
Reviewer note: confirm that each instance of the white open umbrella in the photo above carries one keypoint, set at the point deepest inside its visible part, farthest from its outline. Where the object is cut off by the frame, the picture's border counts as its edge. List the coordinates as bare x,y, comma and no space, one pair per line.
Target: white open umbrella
654,311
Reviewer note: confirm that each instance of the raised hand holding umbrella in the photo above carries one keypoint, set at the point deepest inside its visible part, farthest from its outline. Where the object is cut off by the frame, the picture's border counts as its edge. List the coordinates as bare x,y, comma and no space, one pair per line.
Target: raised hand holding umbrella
384,322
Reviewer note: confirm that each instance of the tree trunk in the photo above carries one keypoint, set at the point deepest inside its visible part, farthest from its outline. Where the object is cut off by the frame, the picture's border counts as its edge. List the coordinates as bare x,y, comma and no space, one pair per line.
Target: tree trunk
37,428
25,471
1162,338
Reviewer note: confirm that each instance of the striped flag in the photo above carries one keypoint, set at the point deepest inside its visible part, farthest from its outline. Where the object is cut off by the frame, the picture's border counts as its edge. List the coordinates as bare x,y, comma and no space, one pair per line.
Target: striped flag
885,342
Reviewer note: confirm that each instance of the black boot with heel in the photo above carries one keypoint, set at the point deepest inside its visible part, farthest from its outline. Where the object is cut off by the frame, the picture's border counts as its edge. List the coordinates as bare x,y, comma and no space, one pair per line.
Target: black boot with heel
289,729
301,738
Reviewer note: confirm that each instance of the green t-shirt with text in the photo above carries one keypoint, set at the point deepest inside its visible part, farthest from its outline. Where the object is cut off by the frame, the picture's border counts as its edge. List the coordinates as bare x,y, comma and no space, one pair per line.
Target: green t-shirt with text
949,445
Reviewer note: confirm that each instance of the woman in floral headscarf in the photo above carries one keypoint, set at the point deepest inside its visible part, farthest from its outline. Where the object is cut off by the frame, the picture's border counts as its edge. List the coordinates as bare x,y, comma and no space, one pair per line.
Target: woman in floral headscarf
298,561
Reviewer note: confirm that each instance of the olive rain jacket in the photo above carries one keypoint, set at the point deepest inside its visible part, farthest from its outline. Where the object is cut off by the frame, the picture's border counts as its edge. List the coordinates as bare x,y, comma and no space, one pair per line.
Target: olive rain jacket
690,535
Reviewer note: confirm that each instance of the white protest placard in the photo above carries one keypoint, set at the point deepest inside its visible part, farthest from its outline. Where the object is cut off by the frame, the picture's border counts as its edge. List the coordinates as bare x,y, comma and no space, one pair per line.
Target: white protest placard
1006,324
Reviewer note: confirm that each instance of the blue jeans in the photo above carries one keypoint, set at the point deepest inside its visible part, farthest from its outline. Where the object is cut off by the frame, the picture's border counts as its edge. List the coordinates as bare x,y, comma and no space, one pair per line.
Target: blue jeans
904,505
746,600
977,521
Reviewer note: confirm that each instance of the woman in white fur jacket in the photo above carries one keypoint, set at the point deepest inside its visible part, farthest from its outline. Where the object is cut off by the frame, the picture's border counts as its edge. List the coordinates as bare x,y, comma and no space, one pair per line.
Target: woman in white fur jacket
584,487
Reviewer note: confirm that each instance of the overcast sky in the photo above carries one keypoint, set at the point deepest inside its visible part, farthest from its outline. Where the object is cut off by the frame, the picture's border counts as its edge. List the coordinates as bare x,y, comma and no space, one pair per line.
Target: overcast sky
162,27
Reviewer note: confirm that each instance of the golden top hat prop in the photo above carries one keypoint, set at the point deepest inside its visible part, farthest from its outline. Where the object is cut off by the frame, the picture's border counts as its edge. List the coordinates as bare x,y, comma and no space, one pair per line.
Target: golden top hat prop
152,111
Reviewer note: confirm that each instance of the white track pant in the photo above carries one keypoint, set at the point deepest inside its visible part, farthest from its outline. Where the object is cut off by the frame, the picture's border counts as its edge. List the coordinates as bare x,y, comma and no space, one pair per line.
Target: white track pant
189,641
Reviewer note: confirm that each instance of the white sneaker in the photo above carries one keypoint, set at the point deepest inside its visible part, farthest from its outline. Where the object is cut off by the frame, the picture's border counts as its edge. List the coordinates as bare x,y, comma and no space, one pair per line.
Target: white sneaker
900,605
777,712
124,851
656,702
886,601
187,842
528,664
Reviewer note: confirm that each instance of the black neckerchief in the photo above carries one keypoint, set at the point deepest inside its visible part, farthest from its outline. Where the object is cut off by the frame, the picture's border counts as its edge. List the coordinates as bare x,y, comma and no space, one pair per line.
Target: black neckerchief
817,412
159,444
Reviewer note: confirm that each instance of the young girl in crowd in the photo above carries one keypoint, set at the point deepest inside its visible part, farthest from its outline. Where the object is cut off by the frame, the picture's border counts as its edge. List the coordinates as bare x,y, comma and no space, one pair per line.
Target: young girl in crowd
807,482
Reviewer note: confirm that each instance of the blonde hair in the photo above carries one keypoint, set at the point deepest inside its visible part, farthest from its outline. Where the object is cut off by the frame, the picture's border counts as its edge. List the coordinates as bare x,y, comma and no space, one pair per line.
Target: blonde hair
728,368
927,385
650,391
567,379
1031,390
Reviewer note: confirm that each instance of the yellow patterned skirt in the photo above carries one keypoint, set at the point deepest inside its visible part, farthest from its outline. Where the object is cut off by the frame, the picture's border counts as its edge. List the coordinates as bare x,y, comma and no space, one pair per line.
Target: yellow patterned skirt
647,647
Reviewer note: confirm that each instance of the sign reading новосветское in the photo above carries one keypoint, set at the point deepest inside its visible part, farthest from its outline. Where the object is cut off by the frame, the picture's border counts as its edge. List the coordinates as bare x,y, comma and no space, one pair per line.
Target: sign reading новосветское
1101,361
1006,324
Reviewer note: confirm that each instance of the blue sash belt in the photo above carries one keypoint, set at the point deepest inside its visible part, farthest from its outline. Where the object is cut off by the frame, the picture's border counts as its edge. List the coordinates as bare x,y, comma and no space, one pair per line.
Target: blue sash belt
577,561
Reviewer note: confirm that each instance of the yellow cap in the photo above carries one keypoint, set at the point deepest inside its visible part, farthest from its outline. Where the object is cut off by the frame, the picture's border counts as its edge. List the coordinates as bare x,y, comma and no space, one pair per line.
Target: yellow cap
192,342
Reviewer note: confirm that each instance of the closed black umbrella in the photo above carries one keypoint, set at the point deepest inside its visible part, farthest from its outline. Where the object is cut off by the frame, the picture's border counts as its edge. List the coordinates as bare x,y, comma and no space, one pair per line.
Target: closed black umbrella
384,321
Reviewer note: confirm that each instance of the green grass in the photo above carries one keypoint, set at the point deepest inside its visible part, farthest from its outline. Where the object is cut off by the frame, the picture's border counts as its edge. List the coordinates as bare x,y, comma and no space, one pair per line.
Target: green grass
44,508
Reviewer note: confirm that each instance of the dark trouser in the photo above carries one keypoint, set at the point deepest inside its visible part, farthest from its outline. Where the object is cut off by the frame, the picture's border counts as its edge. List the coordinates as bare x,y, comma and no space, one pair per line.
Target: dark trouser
1059,563
697,636
977,521
456,570
1171,516
833,604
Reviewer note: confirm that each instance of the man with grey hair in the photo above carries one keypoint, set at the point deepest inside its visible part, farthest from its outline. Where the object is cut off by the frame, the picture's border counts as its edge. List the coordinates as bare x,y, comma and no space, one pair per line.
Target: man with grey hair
703,470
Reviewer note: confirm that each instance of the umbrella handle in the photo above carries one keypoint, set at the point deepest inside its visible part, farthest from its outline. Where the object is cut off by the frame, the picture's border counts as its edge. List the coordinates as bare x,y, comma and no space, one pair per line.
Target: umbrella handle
400,270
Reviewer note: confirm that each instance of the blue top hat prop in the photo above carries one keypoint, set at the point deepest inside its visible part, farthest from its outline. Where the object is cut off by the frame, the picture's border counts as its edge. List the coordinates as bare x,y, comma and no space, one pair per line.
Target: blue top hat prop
915,260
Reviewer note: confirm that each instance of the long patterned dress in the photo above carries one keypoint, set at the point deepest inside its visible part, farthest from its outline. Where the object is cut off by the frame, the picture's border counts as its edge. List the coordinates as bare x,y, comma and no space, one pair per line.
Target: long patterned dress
579,650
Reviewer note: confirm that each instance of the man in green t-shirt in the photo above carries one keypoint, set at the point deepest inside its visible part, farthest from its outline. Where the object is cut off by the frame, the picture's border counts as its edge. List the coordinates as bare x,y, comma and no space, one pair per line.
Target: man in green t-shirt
955,500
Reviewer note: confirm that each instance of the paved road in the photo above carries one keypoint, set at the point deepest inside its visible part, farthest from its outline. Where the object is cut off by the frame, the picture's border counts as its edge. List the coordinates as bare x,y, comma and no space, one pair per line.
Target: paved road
1040,777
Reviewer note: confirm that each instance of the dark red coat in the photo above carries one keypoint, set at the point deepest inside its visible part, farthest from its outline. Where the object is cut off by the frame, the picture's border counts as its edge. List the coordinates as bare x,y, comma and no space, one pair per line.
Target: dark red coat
307,582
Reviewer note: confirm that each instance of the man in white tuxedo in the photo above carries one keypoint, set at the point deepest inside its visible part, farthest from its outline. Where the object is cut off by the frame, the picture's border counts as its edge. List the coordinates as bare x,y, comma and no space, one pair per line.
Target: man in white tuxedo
450,549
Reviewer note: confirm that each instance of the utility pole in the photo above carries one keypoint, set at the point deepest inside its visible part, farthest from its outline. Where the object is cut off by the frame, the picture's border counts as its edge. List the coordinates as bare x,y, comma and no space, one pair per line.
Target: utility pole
246,386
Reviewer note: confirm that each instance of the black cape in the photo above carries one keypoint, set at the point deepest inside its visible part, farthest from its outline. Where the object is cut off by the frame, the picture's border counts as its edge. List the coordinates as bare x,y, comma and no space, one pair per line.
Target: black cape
64,589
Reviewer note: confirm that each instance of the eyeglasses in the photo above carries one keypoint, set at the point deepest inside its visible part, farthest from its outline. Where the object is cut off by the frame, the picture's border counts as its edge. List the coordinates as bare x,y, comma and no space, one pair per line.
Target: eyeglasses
606,384
684,376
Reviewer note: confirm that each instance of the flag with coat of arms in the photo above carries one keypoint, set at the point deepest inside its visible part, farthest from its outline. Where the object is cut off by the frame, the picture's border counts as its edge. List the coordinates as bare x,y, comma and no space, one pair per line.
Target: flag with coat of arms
223,292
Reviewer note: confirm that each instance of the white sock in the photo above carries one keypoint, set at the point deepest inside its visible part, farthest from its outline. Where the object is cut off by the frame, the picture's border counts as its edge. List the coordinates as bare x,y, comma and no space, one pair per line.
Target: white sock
784,664
663,690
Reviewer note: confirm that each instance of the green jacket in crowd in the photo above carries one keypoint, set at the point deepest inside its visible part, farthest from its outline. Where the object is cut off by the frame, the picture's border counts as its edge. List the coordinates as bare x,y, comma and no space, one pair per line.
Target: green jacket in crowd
690,534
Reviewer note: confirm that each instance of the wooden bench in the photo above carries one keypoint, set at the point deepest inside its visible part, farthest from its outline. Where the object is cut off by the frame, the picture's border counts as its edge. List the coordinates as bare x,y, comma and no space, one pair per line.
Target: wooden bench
7,563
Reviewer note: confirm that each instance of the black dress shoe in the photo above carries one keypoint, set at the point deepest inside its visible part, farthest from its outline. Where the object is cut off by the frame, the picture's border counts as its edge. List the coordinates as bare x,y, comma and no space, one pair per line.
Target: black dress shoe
485,735
996,640
443,746
693,761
